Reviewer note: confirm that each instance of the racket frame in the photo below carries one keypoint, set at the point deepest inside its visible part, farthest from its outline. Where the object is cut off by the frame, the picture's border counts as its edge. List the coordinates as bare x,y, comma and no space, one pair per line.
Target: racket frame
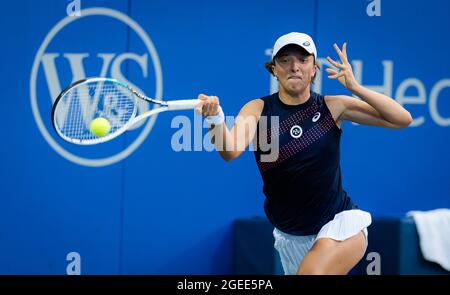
133,119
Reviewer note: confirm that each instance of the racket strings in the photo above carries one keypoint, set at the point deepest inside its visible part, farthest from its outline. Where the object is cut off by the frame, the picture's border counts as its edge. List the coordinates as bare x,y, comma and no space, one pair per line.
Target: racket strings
86,102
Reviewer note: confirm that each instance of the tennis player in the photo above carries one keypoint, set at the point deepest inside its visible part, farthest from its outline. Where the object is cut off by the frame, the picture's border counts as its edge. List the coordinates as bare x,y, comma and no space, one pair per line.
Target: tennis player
318,229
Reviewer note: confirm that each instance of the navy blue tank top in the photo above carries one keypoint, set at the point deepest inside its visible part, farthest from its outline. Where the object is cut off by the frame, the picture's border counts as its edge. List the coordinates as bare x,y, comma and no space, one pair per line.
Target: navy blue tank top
303,186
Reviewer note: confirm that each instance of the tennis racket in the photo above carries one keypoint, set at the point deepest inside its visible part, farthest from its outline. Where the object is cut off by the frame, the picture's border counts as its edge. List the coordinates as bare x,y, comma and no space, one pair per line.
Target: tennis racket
88,99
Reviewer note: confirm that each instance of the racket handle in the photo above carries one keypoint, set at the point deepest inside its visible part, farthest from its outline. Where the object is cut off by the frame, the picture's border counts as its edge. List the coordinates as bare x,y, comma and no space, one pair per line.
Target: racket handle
183,104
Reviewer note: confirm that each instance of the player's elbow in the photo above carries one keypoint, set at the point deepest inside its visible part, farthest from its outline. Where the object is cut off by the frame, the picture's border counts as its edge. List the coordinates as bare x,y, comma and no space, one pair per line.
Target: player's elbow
409,119
228,156
405,120
400,120
228,159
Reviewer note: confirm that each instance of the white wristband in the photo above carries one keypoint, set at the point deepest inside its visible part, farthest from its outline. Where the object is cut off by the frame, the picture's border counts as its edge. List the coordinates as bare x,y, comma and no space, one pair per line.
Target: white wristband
217,119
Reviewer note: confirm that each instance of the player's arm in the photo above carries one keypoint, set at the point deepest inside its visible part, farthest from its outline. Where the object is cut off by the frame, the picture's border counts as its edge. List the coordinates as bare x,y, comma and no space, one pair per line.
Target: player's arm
231,143
386,114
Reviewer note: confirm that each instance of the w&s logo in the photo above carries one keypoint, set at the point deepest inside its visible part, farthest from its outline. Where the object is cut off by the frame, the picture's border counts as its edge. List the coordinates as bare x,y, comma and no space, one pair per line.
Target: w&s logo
97,43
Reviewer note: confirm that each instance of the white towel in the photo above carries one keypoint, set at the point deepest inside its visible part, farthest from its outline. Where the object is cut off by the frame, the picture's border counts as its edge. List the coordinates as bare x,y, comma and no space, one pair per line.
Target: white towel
433,228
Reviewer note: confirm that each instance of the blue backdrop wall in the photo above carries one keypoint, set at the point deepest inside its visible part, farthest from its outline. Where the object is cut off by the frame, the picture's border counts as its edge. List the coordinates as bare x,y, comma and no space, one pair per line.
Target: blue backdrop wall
147,203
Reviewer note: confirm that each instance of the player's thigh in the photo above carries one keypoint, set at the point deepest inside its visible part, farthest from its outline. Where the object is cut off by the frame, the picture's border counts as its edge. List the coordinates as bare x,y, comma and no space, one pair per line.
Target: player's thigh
328,256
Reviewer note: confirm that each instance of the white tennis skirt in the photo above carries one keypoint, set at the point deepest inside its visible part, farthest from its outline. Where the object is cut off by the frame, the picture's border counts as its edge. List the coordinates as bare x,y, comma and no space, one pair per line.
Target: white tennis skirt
293,248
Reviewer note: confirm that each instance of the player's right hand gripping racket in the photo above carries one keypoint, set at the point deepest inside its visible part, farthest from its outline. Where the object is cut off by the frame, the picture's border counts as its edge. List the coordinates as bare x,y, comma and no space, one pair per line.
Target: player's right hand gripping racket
85,100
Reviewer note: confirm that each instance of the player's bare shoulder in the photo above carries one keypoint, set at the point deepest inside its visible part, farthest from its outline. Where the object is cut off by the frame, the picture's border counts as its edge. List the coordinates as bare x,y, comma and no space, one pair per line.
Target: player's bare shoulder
252,108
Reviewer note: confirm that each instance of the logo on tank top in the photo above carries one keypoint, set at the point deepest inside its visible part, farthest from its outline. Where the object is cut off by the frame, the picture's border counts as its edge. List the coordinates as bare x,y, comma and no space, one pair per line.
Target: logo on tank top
316,117
296,131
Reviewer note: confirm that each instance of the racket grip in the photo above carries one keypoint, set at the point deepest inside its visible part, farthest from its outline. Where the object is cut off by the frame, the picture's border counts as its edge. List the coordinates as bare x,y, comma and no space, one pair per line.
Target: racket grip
183,104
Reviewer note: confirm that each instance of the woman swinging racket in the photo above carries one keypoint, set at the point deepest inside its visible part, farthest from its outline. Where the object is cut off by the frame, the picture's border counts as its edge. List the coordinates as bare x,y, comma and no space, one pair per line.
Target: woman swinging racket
318,228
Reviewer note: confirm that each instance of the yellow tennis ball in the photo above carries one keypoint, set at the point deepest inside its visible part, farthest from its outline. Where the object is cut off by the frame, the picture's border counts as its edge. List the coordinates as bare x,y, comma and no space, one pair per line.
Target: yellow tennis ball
100,127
